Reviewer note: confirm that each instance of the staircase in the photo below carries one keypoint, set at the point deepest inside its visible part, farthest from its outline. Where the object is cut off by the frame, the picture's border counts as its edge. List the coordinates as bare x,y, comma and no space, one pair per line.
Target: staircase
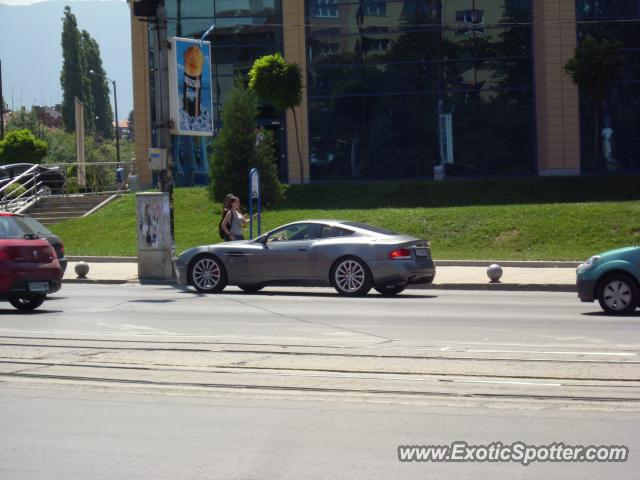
57,209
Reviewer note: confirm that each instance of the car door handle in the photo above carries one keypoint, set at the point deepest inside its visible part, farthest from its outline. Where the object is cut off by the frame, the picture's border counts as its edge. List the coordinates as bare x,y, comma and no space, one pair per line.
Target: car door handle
302,249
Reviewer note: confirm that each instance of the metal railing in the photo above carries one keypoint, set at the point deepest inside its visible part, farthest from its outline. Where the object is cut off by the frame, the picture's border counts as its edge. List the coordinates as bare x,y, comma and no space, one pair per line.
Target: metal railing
100,178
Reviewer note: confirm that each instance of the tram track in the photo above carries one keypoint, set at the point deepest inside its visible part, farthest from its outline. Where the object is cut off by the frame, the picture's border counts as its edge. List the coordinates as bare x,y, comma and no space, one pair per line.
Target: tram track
321,368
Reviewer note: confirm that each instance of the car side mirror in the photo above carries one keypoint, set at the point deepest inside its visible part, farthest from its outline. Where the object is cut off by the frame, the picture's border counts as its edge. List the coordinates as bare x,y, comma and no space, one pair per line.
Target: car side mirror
262,239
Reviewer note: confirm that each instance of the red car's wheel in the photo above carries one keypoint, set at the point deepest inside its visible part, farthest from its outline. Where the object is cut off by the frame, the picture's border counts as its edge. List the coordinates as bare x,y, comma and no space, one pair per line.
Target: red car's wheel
28,302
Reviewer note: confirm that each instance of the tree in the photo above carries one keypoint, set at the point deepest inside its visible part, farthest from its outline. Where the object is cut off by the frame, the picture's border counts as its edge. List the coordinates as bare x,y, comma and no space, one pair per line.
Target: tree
99,86
131,125
238,148
21,146
280,83
73,78
594,66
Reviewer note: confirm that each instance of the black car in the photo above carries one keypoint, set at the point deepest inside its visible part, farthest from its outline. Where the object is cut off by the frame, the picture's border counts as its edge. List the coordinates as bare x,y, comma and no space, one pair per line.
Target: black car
51,179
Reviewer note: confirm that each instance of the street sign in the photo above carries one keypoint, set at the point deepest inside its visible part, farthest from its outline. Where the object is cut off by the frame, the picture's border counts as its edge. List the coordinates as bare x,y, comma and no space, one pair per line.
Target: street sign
254,194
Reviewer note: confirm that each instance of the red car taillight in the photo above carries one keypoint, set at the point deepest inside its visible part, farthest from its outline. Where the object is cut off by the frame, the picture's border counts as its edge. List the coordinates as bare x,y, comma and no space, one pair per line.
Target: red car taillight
400,254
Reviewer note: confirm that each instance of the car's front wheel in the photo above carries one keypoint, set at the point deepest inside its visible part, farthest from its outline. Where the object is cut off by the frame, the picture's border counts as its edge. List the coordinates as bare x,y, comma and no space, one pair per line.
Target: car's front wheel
28,302
618,294
389,290
207,274
350,276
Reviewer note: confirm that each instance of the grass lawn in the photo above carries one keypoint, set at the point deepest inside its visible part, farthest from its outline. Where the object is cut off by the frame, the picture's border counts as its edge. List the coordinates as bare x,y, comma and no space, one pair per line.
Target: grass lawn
525,231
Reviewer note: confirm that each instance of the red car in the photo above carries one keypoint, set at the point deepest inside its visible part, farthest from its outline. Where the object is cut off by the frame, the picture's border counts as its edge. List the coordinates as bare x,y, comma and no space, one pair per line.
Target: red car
29,268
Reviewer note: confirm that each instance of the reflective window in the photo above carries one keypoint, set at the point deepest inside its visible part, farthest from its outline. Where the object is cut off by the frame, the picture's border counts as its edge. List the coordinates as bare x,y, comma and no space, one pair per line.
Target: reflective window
298,231
382,75
332,232
619,115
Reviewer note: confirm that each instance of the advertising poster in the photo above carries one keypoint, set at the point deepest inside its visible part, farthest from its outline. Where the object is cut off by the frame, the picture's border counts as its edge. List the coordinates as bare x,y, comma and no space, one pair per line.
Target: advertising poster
190,87
154,228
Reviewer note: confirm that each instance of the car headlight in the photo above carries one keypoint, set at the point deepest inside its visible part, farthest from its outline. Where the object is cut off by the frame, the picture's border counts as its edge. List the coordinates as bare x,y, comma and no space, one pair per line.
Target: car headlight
591,262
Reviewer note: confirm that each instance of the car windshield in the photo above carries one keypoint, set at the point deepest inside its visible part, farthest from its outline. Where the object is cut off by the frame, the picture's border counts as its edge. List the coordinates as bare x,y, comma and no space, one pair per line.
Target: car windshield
14,227
36,226
3,174
364,226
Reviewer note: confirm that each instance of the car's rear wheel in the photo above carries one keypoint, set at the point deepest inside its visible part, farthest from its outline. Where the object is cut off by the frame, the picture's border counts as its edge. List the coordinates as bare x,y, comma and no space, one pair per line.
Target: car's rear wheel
45,191
390,289
251,288
350,276
618,294
207,274
27,303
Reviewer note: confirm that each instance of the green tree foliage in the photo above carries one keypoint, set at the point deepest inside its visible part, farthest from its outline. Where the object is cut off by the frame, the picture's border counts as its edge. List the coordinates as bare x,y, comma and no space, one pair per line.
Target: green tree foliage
73,78
594,66
280,83
238,148
21,146
131,123
99,87
26,119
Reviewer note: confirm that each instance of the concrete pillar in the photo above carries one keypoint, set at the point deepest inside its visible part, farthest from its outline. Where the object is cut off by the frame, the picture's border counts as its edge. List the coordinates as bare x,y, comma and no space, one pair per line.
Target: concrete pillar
295,52
141,99
558,116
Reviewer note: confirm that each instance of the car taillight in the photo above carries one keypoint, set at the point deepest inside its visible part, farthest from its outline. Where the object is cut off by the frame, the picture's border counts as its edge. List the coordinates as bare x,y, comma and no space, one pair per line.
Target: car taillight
400,254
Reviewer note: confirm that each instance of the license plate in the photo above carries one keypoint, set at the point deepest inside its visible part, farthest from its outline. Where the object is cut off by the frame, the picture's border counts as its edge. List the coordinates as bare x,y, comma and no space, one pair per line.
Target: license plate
422,252
38,286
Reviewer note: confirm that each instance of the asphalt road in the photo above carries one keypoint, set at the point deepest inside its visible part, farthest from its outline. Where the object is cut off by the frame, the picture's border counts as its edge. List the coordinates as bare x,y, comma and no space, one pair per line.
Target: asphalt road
153,382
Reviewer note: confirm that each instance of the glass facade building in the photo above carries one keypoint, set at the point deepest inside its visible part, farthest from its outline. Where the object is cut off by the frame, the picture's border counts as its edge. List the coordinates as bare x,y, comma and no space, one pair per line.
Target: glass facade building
619,126
244,31
394,88
392,83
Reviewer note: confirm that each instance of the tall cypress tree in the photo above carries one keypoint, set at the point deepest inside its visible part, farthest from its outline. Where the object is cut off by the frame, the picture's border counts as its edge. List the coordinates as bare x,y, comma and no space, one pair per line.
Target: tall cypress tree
73,78
99,86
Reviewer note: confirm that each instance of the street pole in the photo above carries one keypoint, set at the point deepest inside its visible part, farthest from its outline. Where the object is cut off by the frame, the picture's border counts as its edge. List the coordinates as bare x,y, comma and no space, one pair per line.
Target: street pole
1,106
115,102
163,116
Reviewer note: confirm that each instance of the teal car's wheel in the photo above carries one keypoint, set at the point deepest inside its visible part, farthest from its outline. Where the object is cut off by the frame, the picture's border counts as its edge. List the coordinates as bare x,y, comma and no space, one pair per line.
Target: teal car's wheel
618,294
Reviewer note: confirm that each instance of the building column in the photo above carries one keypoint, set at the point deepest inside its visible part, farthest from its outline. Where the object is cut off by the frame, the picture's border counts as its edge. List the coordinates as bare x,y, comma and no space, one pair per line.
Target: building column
141,99
557,108
295,52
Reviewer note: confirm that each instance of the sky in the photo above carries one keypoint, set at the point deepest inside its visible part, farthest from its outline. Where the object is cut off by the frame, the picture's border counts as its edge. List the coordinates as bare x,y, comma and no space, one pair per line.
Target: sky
30,2
31,73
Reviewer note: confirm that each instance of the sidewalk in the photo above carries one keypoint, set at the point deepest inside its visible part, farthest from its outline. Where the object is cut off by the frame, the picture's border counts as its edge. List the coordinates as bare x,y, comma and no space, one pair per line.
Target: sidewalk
560,279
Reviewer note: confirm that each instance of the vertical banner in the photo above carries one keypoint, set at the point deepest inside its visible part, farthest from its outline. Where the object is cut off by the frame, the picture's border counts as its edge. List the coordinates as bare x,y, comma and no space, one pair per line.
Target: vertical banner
191,105
79,113
254,194
446,138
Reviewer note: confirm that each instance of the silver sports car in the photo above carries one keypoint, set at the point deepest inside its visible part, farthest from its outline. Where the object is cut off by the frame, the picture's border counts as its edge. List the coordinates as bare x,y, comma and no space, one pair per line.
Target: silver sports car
352,257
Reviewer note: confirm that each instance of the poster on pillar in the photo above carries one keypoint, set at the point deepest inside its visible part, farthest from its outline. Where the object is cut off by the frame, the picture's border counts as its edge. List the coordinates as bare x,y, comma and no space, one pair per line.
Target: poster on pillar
190,87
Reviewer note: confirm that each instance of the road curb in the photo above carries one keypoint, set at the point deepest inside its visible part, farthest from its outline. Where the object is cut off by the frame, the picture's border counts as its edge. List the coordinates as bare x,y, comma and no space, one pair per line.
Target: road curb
507,263
438,263
498,287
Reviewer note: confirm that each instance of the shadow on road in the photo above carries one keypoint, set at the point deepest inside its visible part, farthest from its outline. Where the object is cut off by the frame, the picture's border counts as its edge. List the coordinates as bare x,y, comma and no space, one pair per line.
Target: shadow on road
306,294
13,311
635,314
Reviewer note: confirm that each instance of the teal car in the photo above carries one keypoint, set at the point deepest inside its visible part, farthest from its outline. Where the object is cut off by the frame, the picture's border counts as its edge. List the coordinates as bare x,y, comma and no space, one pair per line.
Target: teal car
613,278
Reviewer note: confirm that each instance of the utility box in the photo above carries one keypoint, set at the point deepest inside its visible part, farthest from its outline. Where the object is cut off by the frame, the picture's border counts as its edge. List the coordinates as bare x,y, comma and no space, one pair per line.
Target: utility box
157,159
155,245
